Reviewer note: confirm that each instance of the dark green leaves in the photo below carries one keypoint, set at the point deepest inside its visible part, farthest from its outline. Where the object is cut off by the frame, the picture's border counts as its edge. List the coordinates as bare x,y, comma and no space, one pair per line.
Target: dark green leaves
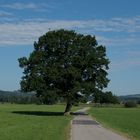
63,63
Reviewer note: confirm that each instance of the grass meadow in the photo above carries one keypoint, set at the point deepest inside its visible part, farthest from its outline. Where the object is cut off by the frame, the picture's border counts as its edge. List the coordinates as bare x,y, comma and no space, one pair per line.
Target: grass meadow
33,122
124,120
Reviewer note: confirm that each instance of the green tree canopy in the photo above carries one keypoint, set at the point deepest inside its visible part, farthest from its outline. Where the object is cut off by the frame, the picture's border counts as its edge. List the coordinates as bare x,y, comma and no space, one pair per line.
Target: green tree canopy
64,63
105,97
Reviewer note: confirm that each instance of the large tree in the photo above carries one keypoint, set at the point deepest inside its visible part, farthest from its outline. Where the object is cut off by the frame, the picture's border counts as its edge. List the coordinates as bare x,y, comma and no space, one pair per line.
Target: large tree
64,64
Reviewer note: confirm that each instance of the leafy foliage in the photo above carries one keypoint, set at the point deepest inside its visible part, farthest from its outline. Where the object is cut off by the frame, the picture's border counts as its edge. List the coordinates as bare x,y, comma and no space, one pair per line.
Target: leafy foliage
64,63
105,97
130,104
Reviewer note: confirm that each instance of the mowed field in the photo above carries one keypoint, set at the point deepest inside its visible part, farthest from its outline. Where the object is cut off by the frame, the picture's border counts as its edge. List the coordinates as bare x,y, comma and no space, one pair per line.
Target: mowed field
123,120
33,122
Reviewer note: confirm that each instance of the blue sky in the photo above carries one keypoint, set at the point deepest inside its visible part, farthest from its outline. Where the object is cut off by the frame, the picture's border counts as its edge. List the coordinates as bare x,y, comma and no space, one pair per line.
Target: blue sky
116,24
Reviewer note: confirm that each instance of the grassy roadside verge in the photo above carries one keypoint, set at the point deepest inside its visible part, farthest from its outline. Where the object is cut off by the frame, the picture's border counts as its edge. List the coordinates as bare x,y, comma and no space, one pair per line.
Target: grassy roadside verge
124,120
37,122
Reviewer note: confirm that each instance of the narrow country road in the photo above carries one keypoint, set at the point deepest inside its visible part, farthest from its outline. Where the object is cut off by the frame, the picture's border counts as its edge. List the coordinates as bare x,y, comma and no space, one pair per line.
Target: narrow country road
85,128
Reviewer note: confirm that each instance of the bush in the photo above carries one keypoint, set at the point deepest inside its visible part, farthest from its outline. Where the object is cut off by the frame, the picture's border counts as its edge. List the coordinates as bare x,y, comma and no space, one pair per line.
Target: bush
138,102
129,104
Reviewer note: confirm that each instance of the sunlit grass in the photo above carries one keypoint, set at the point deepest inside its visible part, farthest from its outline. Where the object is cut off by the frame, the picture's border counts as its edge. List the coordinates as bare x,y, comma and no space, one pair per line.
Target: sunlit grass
33,122
121,119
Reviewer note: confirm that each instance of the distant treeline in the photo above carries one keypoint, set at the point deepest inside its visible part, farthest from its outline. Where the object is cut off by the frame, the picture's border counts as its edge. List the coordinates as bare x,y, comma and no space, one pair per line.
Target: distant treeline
105,98
135,98
18,97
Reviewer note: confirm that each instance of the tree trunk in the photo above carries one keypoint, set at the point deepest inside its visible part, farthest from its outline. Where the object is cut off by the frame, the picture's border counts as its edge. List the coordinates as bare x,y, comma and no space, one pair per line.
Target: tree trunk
68,108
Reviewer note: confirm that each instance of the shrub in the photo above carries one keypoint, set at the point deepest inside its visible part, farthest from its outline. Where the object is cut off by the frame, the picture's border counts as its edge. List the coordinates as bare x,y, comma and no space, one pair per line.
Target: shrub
138,102
129,104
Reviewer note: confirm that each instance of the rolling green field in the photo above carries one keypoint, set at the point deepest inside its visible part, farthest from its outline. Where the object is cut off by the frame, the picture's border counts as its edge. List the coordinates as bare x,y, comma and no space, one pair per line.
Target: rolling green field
33,122
123,120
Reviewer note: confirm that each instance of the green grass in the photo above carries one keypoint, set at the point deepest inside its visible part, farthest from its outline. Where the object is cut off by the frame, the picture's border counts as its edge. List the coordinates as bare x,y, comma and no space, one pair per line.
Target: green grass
33,122
123,120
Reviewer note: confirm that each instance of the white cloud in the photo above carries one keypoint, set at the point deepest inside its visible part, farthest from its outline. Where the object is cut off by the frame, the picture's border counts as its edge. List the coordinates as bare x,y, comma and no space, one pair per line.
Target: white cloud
31,6
5,14
115,24
124,64
119,41
27,31
20,6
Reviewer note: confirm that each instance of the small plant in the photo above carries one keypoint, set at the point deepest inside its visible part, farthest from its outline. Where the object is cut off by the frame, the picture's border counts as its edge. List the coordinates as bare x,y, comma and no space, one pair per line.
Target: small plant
130,104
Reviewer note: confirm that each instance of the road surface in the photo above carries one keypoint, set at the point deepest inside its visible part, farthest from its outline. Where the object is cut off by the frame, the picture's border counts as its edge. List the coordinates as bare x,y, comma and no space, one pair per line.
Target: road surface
85,128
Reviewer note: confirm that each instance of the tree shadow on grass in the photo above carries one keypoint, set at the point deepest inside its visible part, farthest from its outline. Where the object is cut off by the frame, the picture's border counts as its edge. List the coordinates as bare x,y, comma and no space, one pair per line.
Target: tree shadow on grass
39,113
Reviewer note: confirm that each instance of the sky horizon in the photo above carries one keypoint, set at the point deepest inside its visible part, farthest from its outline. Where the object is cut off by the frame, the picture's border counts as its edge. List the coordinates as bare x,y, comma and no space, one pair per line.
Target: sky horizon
115,24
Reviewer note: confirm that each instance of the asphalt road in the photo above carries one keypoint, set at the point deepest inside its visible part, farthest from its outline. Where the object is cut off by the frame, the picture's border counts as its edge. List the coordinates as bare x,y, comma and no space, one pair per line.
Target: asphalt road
83,127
